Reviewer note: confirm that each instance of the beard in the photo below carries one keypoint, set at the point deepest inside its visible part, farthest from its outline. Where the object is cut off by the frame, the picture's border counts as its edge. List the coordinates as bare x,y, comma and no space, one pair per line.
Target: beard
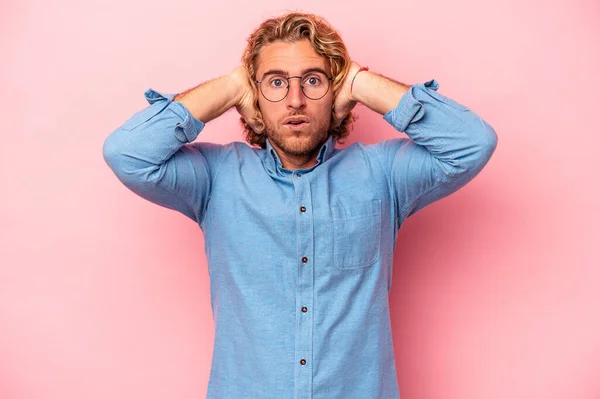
299,143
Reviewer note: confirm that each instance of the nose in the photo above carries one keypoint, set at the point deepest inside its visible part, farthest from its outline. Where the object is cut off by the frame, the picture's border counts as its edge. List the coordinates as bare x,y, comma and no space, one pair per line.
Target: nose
295,98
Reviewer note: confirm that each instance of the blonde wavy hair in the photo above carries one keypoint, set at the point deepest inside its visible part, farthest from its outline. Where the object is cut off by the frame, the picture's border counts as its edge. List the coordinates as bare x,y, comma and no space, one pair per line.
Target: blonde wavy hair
290,28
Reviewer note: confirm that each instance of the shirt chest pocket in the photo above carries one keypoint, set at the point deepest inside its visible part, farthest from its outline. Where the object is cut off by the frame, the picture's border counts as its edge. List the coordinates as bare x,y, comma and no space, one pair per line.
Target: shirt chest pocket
356,234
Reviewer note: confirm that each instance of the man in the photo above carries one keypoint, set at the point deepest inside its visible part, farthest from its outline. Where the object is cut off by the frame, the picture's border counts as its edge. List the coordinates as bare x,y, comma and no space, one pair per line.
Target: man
300,235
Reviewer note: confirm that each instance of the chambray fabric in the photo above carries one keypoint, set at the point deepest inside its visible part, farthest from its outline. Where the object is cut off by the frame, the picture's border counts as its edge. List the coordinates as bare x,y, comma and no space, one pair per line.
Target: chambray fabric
300,261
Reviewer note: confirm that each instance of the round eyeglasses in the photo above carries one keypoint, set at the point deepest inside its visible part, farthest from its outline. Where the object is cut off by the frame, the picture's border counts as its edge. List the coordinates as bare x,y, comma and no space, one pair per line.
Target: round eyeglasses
275,88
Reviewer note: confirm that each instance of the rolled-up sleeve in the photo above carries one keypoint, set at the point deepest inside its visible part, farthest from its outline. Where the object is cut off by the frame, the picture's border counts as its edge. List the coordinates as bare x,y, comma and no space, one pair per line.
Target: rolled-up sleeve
447,146
151,153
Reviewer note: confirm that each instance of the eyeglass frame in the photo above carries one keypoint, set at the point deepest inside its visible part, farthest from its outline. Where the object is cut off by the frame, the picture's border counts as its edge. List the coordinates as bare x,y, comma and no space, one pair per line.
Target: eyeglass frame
288,87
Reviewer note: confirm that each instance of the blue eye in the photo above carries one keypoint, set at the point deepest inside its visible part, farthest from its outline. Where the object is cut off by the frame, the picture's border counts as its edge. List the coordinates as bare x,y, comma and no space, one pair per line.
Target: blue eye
314,80
277,82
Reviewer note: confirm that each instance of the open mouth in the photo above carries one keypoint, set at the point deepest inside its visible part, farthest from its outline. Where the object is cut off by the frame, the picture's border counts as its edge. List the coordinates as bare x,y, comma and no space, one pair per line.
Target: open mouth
296,124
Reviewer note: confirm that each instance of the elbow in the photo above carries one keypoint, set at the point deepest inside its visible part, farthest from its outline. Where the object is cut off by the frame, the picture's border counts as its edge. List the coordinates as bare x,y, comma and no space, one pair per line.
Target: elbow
111,151
484,146
126,163
482,143
118,157
488,140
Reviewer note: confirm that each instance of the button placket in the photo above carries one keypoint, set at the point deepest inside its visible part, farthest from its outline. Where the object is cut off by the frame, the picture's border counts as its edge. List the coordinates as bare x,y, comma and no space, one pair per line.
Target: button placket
304,285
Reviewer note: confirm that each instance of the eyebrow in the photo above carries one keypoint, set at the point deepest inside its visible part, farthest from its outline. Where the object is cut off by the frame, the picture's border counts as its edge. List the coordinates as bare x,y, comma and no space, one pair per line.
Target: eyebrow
286,73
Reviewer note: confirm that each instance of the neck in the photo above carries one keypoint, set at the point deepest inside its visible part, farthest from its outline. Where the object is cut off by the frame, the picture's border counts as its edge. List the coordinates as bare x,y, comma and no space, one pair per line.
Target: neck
293,162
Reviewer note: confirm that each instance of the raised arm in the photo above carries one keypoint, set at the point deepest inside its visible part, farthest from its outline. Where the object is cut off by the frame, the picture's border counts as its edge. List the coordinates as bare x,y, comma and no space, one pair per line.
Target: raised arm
448,144
152,152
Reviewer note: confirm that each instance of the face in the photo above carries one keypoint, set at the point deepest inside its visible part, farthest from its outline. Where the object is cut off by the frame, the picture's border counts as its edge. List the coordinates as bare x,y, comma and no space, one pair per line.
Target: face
305,139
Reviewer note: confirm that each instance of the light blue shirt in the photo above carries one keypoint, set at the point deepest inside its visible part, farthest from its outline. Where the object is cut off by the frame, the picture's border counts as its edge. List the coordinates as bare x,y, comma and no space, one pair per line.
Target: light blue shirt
300,261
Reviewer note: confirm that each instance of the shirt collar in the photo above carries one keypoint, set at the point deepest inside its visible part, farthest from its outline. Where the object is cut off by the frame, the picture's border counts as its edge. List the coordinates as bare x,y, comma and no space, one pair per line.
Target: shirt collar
325,153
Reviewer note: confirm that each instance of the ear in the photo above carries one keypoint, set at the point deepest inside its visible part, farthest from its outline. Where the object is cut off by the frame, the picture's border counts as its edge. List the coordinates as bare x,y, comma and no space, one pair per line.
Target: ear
258,126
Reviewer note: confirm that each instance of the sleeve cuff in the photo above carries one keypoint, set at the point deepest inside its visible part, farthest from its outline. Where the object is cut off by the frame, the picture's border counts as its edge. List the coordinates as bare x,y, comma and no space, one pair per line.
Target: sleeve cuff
188,129
409,109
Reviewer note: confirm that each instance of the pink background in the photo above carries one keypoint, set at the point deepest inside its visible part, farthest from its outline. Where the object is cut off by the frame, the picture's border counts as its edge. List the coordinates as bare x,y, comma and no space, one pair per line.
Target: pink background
495,289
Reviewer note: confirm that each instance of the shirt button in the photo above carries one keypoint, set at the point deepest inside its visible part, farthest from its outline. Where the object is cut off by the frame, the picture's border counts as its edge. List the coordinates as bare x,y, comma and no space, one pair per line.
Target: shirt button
302,362
304,309
304,259
298,175
302,208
